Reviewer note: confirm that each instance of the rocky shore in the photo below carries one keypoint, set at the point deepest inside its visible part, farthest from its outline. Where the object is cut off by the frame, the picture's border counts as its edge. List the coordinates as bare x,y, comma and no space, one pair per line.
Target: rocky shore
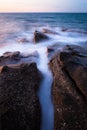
19,105
69,90
20,80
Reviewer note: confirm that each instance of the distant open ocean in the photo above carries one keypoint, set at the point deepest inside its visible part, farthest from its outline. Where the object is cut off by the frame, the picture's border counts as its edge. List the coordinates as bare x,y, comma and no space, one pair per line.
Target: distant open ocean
72,27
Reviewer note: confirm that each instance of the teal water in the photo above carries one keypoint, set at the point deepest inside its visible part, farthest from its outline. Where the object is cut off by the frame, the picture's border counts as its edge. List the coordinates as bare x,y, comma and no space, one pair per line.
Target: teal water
15,25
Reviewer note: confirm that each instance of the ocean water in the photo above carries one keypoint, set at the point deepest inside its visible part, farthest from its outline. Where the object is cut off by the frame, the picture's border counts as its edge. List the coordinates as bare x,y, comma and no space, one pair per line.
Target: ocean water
70,29
14,26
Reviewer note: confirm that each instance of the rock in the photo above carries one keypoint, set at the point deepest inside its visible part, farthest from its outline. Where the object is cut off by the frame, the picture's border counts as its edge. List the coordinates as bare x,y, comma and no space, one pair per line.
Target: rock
54,47
49,49
73,30
69,91
64,29
10,58
19,104
17,58
78,59
38,37
23,40
12,54
78,50
75,54
49,31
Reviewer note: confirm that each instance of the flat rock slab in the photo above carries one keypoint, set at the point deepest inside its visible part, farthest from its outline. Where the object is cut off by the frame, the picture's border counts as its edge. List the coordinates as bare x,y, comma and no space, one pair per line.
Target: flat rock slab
19,104
69,69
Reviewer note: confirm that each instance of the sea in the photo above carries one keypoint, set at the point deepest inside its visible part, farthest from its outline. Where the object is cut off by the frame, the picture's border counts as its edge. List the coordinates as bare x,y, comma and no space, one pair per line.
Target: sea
14,26
69,28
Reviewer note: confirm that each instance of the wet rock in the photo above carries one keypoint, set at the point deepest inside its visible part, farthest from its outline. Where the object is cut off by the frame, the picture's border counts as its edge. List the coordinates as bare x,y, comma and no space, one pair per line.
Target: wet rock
23,40
38,37
75,64
69,69
64,29
10,58
48,31
18,58
73,30
54,47
49,49
19,104
12,54
77,50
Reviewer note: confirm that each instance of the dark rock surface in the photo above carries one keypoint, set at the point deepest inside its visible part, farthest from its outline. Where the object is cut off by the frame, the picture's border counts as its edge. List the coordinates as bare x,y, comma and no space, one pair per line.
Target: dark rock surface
69,69
39,36
10,58
17,58
19,104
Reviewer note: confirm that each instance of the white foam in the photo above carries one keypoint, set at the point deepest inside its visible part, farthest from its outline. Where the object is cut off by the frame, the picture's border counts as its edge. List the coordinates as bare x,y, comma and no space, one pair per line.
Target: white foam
42,64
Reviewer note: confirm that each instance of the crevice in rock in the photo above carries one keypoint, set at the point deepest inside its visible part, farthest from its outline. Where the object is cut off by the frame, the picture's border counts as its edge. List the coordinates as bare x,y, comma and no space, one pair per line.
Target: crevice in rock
74,84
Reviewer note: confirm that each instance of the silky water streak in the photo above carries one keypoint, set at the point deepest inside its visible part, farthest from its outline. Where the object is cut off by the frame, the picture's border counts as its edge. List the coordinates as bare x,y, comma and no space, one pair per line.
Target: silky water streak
44,93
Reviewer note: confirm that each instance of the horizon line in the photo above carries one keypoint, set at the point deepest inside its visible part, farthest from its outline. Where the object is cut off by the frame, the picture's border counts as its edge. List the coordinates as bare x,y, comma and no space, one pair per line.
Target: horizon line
39,12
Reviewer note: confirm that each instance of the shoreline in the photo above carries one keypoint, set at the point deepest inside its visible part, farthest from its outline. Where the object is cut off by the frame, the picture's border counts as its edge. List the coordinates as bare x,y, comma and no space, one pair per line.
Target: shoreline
69,88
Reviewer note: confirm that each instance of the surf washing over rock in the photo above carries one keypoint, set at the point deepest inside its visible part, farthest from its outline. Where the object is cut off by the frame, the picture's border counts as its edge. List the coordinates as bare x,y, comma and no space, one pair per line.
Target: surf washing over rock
44,92
17,39
40,53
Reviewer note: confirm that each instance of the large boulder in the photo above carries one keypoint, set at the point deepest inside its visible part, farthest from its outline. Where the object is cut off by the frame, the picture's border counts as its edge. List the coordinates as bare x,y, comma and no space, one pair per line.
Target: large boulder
39,36
19,103
69,90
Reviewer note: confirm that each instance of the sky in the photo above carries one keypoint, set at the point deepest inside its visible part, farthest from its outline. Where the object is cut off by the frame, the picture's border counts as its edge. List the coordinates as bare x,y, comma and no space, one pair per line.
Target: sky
43,5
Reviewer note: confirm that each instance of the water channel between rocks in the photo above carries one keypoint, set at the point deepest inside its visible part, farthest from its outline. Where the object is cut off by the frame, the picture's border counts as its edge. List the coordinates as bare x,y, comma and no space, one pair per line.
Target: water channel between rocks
45,92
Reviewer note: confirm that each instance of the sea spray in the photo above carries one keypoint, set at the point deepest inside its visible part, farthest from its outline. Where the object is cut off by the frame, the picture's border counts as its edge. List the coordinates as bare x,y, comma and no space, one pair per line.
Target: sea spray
45,91
15,26
42,63
46,84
